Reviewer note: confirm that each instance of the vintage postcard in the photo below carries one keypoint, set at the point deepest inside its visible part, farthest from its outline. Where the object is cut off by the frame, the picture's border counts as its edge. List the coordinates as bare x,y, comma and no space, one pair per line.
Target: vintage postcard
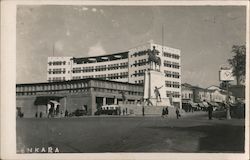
125,80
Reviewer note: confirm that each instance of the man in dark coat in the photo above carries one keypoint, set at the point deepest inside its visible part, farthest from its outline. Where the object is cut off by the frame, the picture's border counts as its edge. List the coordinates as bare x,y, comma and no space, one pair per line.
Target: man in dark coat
177,111
210,112
163,112
166,111
143,111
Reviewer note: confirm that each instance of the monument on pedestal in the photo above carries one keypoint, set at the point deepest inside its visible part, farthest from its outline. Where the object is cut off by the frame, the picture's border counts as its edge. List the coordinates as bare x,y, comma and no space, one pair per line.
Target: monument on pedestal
154,82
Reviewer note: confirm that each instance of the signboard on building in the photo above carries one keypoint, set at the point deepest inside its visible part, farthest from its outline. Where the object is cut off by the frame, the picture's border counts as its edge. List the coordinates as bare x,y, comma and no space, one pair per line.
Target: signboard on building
226,75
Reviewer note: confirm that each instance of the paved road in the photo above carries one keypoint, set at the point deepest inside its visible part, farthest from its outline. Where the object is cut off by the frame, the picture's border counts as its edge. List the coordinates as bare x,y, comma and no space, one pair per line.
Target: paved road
132,134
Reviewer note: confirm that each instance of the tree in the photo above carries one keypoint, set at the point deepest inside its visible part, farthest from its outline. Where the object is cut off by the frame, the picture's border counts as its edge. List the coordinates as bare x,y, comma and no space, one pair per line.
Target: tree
238,62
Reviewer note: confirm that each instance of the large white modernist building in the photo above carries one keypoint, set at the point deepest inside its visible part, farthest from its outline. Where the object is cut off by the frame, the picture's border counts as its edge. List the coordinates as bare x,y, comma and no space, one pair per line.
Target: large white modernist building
128,66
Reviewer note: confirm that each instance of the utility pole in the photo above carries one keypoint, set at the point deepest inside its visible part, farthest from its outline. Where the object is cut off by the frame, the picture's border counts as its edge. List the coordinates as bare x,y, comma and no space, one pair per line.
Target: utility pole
53,54
227,99
225,75
162,37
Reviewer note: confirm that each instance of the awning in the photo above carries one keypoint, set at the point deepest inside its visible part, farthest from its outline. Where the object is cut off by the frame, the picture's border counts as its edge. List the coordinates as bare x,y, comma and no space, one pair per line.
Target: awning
192,104
205,104
44,100
55,102
214,104
201,104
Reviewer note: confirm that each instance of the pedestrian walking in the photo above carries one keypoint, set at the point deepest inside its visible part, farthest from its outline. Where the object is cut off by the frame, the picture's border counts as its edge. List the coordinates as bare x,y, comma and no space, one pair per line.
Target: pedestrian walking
177,113
123,111
210,112
163,112
166,111
143,111
36,115
41,114
66,113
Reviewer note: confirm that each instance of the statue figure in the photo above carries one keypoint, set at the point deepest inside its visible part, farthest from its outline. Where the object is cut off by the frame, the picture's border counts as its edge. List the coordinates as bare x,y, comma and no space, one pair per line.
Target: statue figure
157,93
148,102
153,59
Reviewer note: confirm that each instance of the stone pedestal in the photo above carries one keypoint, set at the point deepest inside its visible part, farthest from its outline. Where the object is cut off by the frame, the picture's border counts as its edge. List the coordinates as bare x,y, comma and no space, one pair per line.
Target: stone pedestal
154,79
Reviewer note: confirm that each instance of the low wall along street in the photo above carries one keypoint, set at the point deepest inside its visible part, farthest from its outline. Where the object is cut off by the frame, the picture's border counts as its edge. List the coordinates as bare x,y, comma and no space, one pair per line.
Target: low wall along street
136,110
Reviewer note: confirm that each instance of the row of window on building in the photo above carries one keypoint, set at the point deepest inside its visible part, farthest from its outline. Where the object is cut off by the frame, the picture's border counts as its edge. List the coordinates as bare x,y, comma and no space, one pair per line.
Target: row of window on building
140,53
172,84
57,71
171,64
139,82
172,74
139,73
117,75
105,90
140,62
173,94
165,54
187,95
51,87
57,63
54,79
100,68
104,76
171,55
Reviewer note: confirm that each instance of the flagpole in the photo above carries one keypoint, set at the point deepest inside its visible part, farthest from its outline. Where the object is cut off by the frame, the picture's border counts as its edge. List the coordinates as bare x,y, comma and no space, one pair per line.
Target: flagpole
162,37
53,49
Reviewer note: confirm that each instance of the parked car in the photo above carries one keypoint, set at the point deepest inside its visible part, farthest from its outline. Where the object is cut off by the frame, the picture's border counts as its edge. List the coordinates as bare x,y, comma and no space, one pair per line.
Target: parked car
108,110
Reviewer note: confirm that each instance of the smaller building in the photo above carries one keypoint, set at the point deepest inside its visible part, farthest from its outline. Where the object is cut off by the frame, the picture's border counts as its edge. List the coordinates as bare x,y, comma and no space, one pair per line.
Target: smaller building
194,95
35,99
187,93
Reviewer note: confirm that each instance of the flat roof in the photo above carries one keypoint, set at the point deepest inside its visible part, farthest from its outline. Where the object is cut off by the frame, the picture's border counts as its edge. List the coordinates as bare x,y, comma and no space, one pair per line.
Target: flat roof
76,80
120,55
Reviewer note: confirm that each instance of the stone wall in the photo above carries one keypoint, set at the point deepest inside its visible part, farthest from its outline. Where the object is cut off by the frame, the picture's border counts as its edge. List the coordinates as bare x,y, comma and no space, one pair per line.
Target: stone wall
136,110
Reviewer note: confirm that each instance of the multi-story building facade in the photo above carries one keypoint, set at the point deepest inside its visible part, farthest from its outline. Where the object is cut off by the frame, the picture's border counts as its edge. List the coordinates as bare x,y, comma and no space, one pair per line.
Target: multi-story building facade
128,66
59,69
108,67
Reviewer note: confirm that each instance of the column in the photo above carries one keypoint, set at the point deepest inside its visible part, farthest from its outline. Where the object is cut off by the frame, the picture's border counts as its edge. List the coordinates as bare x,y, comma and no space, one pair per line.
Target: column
104,101
93,107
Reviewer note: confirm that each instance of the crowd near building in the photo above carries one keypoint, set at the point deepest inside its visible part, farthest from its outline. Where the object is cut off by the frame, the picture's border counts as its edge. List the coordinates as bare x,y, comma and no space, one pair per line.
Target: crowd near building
90,82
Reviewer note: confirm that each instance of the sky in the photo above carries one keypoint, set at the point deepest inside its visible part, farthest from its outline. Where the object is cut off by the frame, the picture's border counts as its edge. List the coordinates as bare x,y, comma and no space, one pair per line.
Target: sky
204,34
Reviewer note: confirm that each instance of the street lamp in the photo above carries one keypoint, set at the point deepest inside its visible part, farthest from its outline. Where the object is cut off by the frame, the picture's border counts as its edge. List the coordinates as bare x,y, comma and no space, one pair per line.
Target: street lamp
226,75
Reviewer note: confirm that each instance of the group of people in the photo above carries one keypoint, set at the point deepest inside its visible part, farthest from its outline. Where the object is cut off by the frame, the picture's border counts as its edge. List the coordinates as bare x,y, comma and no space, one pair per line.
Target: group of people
40,115
124,111
164,112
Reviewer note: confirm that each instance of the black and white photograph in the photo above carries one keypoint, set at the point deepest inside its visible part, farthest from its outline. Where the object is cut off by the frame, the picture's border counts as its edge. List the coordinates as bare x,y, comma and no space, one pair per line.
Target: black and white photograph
130,78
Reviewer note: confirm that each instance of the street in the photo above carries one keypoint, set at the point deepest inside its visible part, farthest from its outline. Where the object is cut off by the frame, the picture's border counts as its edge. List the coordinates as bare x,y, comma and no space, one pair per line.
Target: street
132,134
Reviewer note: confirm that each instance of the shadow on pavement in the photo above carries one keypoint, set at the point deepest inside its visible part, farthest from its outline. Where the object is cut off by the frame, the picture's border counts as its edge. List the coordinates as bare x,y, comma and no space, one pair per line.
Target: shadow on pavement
218,138
221,138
